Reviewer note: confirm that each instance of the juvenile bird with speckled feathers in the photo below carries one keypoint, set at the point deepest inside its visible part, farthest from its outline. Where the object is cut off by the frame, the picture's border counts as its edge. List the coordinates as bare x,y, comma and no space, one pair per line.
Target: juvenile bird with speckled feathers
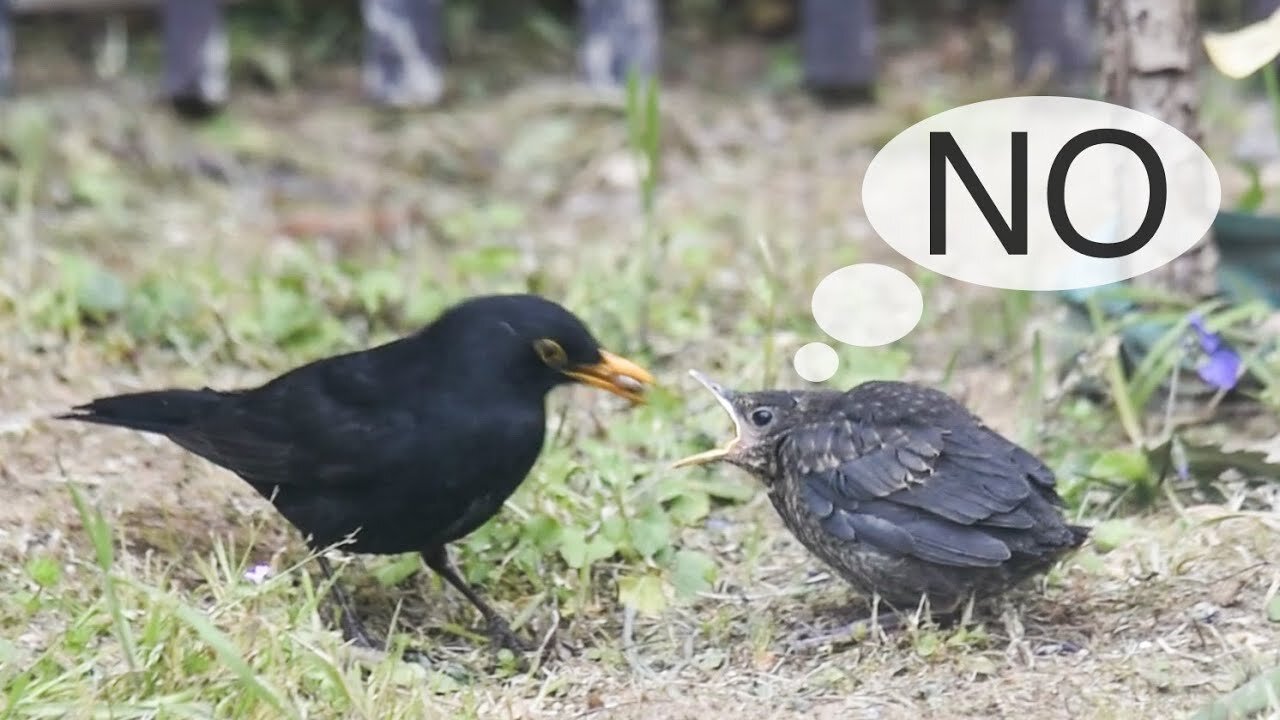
900,489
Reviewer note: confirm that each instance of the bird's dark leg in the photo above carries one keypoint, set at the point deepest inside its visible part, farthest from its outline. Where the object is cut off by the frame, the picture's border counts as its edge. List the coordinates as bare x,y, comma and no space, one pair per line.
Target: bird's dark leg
888,620
500,633
352,628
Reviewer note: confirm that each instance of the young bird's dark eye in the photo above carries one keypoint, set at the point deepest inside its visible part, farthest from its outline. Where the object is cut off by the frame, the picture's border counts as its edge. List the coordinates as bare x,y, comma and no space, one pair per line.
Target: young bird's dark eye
761,417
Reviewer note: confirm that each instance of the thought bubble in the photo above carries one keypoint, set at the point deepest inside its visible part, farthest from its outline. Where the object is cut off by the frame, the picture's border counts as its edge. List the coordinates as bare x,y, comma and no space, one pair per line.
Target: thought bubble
867,305
817,362
1041,193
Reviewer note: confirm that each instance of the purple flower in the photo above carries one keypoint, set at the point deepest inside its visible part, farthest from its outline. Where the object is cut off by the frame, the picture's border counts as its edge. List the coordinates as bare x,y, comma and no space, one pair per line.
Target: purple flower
1221,366
258,573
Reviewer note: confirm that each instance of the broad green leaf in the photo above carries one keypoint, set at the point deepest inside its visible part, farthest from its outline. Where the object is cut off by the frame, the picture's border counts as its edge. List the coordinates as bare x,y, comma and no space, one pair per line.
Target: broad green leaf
101,294
692,572
650,532
614,528
1111,534
573,547
1126,465
643,593
543,531
599,548
689,507
396,571
98,292
733,490
670,486
1273,609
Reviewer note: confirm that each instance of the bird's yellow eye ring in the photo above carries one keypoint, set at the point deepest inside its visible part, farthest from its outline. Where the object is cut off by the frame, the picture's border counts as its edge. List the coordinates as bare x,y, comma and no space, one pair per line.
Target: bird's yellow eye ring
551,353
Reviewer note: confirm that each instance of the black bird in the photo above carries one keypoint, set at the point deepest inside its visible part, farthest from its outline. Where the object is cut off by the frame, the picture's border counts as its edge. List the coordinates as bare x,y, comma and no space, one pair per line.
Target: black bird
900,489
404,447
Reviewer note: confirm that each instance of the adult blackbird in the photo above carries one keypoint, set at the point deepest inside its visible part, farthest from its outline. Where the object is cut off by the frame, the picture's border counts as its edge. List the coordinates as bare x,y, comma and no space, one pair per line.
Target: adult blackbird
404,447
899,488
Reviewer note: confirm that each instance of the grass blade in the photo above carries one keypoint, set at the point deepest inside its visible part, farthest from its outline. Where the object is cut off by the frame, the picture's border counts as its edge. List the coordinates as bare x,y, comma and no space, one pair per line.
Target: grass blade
223,647
100,535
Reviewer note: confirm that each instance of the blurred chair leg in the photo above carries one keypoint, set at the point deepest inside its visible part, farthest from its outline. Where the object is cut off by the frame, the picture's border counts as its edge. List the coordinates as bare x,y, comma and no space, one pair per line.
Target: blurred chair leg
196,56
1256,10
618,37
6,49
404,48
1062,34
838,47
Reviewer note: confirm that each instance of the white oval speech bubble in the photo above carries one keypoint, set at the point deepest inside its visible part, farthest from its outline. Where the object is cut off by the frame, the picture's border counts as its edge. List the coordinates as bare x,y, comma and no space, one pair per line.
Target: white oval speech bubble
1103,199
867,304
816,362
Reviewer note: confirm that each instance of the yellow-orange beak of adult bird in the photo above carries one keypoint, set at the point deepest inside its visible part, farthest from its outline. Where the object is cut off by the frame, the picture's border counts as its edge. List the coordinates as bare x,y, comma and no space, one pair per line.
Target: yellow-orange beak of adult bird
615,374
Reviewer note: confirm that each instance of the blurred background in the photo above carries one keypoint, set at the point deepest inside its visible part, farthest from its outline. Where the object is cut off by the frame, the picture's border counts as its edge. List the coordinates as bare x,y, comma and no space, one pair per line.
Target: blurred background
204,193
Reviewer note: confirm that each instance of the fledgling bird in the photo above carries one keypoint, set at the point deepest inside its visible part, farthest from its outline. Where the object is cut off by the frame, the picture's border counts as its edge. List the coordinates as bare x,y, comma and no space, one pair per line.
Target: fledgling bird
404,447
899,488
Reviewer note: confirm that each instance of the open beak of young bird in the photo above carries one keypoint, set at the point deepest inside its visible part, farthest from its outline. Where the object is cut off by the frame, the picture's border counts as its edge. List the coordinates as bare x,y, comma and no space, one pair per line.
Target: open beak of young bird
615,374
725,398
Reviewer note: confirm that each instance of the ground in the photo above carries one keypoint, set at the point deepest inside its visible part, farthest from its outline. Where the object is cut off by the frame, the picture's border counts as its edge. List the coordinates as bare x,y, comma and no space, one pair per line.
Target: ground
140,252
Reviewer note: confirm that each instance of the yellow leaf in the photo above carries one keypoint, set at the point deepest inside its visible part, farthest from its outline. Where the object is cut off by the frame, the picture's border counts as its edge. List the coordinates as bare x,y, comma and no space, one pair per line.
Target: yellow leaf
1243,52
644,593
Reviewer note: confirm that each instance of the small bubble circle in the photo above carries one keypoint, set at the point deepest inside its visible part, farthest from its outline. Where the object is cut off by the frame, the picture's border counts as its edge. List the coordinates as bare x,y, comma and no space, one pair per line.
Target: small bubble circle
867,304
816,362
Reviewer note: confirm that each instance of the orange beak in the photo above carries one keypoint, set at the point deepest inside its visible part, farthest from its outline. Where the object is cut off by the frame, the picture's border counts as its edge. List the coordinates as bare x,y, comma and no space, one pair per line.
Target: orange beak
615,374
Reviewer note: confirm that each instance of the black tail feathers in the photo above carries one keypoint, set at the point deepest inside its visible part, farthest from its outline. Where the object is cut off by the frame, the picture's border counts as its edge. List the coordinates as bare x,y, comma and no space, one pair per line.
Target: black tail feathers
157,411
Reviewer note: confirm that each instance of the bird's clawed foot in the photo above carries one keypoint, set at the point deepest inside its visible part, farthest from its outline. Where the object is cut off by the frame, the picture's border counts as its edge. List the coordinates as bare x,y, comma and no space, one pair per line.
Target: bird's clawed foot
353,629
354,632
502,636
804,640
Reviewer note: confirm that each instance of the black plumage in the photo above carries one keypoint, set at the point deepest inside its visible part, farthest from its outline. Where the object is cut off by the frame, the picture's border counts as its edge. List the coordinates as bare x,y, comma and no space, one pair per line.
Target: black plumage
900,489
404,447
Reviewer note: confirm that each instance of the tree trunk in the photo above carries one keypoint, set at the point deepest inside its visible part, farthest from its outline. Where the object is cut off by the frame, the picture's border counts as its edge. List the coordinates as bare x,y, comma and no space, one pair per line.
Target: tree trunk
1150,49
